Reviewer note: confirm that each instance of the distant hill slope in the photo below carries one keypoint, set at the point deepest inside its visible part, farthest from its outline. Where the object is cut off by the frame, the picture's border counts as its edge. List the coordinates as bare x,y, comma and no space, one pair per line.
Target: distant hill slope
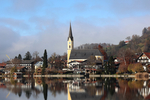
93,45
136,44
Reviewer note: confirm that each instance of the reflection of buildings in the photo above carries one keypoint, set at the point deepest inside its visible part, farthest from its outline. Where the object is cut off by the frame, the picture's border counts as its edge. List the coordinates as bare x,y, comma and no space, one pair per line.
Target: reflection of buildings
18,86
79,89
86,89
145,90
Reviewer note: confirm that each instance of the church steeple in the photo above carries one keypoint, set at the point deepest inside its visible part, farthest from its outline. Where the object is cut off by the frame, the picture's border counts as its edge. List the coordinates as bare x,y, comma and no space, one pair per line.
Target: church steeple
70,33
70,44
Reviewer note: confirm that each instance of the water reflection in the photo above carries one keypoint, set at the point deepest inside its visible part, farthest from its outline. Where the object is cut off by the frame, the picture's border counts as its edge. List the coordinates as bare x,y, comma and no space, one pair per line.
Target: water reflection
76,88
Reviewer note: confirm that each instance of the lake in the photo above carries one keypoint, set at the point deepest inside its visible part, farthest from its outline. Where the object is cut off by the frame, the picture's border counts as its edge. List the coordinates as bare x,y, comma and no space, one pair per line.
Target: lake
74,89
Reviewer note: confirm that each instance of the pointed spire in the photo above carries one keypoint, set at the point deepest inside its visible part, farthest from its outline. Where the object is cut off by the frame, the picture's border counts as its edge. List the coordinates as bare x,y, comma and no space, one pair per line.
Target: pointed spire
70,33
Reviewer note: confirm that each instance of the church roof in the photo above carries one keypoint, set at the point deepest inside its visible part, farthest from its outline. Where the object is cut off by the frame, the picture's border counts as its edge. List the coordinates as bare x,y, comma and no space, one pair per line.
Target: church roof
84,54
70,33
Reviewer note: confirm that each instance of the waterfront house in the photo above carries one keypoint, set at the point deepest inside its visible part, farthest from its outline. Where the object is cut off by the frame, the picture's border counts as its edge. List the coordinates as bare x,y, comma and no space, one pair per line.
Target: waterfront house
39,64
2,67
144,58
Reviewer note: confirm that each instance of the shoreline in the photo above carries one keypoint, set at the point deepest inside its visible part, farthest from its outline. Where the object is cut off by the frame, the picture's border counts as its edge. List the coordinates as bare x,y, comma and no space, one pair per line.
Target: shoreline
126,76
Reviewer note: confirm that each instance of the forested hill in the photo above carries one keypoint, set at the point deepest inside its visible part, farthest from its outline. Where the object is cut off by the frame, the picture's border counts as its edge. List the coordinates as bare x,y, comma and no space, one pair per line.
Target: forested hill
93,45
137,44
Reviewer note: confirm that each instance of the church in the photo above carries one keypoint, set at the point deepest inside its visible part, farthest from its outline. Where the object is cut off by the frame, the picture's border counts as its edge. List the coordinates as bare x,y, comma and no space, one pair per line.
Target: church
80,55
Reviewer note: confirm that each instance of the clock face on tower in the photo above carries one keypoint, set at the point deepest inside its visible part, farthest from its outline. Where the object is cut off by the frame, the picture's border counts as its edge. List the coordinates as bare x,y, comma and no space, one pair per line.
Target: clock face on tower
69,42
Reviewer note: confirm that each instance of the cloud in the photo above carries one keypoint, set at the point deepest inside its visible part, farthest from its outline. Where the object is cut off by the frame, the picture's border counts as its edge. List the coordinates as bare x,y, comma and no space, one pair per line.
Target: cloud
52,35
15,23
85,32
99,22
81,7
8,37
25,5
130,7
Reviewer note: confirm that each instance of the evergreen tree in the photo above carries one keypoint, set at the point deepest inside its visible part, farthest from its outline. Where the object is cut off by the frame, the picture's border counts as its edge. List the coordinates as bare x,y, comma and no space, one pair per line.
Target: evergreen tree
28,56
20,57
112,65
144,31
106,67
44,61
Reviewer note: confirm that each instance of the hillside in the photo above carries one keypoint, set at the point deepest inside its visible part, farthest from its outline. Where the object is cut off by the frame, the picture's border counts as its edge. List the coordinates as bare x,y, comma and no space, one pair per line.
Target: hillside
137,44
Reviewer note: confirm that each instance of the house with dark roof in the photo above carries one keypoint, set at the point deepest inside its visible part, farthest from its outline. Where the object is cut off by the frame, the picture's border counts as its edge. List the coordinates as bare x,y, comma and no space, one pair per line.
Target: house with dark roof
144,58
79,55
2,67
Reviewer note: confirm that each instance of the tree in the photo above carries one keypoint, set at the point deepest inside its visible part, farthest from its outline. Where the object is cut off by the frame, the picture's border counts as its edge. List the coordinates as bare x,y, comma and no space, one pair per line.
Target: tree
35,54
122,68
28,56
20,57
147,46
110,67
127,55
128,38
102,51
13,69
44,61
64,56
91,60
121,44
16,61
144,31
52,58
136,67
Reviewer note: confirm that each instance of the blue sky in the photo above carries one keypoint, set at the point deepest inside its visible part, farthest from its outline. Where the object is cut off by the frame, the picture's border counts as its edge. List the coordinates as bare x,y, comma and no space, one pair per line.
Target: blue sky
35,25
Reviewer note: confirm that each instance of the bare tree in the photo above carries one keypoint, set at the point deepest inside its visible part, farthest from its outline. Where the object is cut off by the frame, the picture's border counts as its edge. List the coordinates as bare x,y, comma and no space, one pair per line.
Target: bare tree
128,38
35,54
127,55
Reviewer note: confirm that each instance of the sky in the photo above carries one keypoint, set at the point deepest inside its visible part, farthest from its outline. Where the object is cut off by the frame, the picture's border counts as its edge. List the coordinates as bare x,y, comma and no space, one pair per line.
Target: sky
36,25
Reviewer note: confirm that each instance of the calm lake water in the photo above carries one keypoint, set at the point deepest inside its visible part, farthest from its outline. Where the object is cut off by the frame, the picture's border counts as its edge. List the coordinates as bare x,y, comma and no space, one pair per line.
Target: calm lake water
74,89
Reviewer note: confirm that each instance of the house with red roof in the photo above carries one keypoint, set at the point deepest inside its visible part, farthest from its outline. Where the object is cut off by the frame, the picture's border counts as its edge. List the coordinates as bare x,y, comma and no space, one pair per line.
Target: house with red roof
126,42
2,65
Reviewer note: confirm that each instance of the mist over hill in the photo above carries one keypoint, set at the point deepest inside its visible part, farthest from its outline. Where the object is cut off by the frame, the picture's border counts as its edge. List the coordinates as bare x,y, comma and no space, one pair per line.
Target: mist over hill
137,44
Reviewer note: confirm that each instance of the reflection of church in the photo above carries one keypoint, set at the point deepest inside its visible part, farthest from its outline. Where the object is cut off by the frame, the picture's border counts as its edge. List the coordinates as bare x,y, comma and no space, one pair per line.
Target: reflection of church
79,91
80,55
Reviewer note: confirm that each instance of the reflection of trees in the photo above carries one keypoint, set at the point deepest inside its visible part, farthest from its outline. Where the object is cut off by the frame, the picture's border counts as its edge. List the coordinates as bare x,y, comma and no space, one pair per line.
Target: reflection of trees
135,84
28,93
20,92
57,86
127,92
45,86
110,85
